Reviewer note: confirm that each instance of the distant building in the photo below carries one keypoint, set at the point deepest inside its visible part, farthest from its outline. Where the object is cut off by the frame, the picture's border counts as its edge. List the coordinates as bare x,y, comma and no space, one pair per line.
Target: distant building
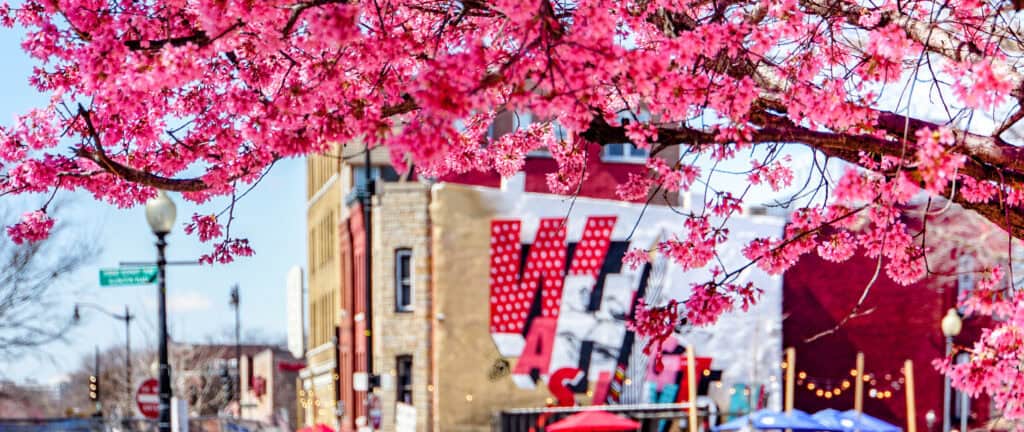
206,377
268,388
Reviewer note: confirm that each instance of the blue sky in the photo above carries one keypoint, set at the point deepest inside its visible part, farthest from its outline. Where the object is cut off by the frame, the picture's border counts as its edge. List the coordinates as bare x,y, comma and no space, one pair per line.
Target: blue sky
272,217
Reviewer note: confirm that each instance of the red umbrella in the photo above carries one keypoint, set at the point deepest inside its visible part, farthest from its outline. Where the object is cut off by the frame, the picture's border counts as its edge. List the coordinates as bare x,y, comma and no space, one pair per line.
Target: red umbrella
593,421
320,427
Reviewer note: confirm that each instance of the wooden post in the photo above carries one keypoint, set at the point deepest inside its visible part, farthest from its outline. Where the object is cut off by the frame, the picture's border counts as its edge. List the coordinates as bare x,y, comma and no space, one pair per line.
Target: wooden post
691,384
790,377
908,374
858,385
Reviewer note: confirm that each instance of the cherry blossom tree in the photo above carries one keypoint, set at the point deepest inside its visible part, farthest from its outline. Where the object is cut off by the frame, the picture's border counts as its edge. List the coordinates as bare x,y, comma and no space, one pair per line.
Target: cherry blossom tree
202,97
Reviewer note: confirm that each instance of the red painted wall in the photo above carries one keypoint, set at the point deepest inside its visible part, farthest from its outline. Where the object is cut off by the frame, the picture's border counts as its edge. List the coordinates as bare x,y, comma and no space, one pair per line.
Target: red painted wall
355,404
903,323
346,329
602,179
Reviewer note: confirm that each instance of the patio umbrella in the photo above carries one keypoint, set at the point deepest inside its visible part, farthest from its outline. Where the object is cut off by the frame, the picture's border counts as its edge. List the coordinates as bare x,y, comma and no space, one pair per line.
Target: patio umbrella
319,427
868,423
774,420
593,421
833,418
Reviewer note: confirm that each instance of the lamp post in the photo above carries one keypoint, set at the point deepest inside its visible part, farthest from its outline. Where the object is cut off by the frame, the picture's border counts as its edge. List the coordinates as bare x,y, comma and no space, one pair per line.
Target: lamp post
127,318
235,303
160,213
951,326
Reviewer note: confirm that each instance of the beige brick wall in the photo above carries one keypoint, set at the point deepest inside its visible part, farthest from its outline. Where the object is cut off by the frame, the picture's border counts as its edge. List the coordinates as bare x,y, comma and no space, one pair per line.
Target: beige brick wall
401,220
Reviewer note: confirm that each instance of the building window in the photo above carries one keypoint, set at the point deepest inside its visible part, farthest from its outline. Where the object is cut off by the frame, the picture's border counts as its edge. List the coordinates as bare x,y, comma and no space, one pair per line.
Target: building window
359,176
404,388
403,280
626,152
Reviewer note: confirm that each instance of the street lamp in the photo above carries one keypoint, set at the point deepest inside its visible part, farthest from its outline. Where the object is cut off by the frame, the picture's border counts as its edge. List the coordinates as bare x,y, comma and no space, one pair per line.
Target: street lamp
951,326
127,318
160,213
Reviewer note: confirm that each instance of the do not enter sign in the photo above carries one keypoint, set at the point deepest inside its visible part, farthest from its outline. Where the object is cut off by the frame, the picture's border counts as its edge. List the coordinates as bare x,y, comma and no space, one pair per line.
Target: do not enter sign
147,397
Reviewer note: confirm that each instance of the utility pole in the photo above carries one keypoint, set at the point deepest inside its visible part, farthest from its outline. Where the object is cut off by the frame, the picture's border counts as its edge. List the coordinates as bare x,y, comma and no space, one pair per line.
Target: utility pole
96,385
367,195
235,300
127,352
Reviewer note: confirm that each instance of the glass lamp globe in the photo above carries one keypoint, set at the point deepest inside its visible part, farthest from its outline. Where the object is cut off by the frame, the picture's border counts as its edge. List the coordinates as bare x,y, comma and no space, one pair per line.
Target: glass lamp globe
160,213
951,323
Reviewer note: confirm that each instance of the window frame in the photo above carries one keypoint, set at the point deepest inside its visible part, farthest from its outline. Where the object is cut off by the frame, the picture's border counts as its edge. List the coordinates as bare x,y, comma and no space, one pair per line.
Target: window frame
404,369
403,304
359,176
628,148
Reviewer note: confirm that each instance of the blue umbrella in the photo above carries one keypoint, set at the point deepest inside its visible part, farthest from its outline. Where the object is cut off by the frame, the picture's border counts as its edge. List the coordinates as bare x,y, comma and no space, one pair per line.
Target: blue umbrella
770,420
868,423
833,418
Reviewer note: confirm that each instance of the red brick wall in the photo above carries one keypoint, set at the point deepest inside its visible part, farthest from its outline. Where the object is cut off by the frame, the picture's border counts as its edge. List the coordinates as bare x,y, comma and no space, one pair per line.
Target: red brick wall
903,323
346,353
357,403
602,179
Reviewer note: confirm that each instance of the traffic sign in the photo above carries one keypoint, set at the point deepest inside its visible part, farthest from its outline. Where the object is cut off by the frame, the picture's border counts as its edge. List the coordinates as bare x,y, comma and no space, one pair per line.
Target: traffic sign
147,397
128,276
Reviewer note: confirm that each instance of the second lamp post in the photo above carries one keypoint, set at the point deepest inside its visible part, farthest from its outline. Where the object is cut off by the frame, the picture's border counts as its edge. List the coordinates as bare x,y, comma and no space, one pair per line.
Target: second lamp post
951,326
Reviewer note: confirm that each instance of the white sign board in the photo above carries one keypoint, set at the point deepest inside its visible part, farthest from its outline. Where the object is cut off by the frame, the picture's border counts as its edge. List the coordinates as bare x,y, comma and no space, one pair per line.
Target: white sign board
179,415
405,418
296,317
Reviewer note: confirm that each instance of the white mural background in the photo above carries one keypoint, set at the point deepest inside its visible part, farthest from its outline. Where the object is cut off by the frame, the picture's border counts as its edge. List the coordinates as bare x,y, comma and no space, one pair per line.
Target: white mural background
745,346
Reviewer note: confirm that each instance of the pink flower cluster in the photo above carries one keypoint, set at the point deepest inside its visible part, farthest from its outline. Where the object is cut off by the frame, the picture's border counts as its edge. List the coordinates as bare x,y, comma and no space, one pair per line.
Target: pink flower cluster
33,227
205,226
225,252
657,324
936,162
978,85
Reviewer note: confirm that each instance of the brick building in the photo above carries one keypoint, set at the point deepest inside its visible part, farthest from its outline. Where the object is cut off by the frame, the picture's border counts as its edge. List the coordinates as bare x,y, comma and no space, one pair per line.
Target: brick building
447,354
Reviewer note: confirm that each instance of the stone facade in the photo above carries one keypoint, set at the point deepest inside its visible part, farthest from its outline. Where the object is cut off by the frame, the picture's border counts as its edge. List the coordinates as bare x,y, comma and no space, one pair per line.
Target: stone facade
401,222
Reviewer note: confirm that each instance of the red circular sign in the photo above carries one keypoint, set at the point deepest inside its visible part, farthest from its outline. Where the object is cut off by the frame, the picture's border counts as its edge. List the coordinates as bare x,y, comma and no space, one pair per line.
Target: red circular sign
147,397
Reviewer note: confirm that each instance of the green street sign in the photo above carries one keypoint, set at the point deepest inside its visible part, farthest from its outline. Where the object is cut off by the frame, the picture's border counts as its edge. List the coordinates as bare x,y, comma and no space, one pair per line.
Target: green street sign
128,276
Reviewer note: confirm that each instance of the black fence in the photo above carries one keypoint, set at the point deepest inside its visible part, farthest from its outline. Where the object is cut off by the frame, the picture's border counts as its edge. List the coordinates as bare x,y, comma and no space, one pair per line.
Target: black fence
652,417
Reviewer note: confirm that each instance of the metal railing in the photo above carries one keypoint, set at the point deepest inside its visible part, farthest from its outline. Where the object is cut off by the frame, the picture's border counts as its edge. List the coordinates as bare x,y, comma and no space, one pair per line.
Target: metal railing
652,417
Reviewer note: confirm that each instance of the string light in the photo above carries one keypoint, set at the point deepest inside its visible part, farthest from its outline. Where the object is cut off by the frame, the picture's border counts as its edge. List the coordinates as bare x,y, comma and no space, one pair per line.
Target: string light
881,386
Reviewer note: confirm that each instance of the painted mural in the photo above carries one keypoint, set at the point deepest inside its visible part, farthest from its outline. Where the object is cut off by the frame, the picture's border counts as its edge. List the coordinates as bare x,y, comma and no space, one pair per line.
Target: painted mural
560,299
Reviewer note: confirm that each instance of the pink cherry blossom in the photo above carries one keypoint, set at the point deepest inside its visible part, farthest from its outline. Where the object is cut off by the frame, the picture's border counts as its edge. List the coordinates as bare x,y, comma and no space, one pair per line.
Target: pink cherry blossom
34,226
205,226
